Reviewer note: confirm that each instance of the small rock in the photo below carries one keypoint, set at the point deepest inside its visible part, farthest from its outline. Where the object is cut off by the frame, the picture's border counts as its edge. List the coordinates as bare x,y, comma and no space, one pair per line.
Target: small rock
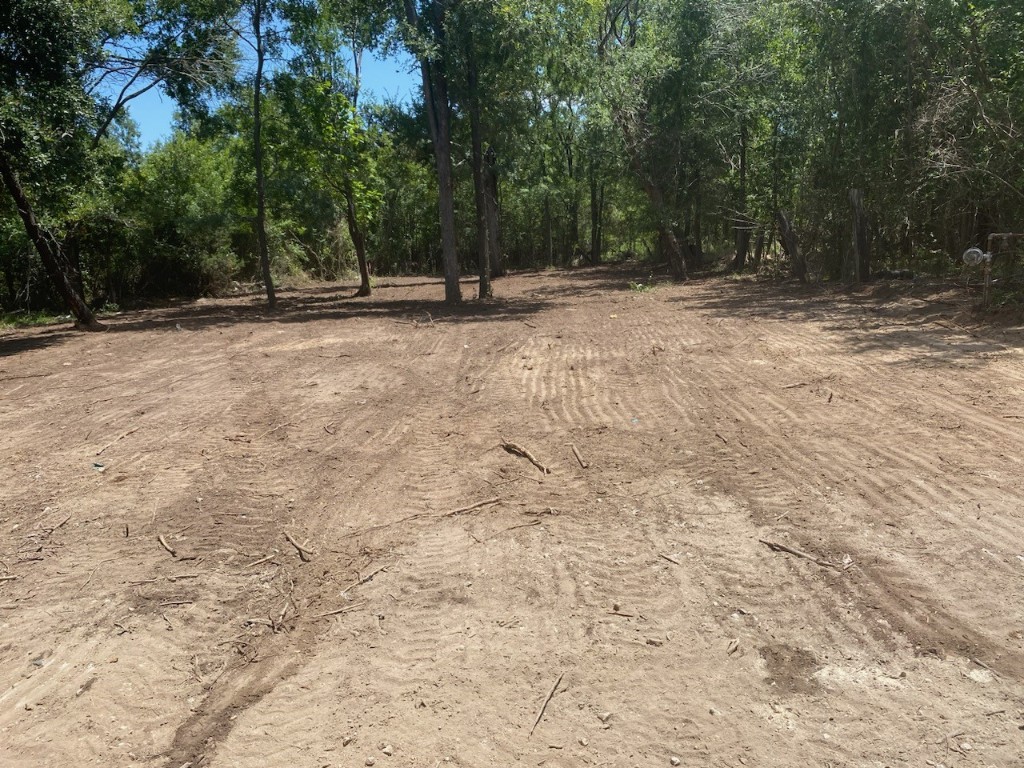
346,741
388,750
616,607
675,760
714,711
584,742
370,760
654,641
966,746
604,717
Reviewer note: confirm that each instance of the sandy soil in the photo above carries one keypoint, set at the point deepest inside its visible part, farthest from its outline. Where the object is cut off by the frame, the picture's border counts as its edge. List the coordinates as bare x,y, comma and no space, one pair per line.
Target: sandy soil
879,434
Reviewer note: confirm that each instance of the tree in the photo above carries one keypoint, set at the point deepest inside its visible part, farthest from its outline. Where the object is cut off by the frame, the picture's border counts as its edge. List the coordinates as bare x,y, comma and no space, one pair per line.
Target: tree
425,34
68,69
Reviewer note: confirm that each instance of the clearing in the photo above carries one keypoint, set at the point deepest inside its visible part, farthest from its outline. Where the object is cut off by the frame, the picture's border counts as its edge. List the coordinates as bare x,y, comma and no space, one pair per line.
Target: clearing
878,436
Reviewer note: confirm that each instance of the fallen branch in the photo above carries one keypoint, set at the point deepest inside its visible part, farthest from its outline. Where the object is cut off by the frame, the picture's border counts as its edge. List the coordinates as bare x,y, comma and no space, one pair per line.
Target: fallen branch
165,545
176,602
518,450
365,579
117,439
776,547
471,507
669,558
544,706
304,553
8,578
576,453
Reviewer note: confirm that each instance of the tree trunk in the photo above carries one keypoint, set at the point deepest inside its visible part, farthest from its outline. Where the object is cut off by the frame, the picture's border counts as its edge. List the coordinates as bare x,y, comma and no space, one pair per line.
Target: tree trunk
595,214
494,251
257,156
743,228
479,182
791,246
861,237
666,234
759,247
435,98
49,251
358,240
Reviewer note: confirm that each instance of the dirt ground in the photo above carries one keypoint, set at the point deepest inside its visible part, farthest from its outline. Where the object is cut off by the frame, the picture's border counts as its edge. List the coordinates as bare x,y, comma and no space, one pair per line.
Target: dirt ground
878,436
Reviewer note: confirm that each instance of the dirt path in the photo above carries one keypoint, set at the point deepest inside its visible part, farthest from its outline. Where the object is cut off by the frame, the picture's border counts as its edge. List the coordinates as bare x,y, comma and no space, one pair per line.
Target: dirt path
875,434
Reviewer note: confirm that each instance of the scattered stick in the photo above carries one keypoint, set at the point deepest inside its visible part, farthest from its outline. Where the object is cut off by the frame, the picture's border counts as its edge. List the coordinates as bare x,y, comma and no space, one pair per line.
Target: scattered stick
184,576
304,553
61,524
544,706
169,603
346,609
983,665
721,438
165,545
669,558
471,507
8,578
620,613
263,560
518,450
506,530
170,627
272,431
576,453
794,386
776,547
117,439
365,579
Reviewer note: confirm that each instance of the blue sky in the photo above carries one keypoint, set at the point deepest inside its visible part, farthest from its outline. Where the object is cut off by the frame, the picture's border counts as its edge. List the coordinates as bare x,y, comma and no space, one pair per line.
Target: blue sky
393,78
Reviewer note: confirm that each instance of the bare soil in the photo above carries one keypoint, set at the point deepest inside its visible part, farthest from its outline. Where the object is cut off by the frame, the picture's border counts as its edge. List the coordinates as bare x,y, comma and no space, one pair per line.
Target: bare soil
876,436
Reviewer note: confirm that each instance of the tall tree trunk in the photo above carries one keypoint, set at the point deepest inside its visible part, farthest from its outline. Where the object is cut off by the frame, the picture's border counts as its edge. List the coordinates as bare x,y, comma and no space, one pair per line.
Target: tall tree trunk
666,233
257,155
479,181
358,240
743,228
494,251
595,214
49,249
435,98
861,237
791,246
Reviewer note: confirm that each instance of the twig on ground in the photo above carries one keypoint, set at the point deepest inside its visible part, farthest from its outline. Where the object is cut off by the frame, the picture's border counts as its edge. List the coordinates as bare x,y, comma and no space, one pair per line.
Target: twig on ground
165,545
518,450
8,578
346,609
576,453
983,665
263,560
721,438
512,528
365,579
669,558
170,603
117,439
304,553
471,507
272,431
776,547
794,386
544,706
